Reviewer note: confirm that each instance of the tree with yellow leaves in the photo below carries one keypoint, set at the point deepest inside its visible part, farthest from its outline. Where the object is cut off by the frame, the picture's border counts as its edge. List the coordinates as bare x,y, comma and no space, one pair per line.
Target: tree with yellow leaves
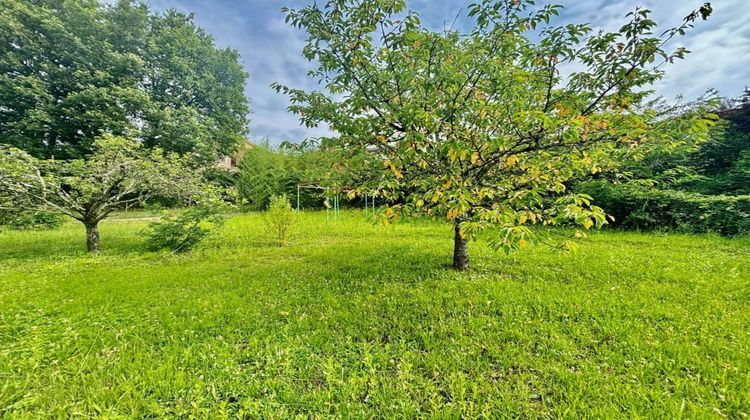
485,126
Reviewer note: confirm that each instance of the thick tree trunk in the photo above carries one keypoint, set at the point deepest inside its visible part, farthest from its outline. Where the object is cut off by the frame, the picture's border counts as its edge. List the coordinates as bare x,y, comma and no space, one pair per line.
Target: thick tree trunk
92,237
460,249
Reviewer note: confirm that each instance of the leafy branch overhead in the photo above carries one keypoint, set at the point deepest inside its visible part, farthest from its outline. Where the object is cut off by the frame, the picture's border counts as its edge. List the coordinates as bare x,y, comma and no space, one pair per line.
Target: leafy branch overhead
484,126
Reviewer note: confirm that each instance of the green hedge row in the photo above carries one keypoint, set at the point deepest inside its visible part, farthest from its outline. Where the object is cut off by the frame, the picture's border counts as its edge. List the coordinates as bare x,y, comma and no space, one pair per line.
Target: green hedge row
640,208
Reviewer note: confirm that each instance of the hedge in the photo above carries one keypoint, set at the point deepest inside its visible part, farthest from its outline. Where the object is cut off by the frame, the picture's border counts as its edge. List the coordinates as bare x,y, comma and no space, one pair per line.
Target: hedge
637,207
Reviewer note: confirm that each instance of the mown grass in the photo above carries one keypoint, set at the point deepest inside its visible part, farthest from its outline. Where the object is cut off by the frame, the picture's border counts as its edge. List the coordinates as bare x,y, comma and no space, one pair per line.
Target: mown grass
354,319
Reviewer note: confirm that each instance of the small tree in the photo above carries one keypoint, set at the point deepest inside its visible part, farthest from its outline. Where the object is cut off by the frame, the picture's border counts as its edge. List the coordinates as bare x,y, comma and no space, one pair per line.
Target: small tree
280,218
120,172
483,127
183,232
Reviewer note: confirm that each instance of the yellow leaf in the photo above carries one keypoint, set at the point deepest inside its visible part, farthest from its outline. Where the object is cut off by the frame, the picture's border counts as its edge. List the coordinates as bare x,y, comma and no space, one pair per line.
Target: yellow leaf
395,170
511,160
420,203
588,223
474,158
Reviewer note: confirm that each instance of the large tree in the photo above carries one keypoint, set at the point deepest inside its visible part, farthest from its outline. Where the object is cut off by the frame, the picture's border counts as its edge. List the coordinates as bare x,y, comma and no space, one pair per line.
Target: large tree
71,69
484,126
120,172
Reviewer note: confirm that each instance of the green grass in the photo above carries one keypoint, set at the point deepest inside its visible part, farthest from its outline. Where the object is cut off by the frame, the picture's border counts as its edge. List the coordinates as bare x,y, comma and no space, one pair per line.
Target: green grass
359,320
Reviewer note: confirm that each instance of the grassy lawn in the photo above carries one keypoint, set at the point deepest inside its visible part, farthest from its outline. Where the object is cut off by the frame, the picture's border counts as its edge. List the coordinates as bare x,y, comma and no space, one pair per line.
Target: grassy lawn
354,319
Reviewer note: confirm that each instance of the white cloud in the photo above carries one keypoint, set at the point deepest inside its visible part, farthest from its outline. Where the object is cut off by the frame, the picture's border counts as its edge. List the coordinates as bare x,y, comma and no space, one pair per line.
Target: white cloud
720,46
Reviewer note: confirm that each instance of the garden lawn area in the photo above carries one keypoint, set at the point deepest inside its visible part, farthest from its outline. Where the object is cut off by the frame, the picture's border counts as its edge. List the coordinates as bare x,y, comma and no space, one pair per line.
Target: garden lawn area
357,319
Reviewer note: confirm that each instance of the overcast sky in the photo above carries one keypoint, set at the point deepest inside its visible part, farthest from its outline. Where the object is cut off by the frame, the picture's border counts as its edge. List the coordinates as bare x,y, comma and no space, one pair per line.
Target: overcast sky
271,50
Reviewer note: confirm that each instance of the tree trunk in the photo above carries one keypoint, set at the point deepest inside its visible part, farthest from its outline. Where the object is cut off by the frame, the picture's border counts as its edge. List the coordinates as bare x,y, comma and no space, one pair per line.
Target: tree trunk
92,237
460,249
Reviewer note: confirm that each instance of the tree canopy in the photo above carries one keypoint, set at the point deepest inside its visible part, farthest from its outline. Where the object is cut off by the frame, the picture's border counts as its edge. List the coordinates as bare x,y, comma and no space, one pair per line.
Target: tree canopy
72,69
484,127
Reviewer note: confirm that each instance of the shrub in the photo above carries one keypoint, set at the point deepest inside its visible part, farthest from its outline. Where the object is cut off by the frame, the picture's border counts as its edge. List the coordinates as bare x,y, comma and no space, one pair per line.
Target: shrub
181,233
643,208
29,220
280,218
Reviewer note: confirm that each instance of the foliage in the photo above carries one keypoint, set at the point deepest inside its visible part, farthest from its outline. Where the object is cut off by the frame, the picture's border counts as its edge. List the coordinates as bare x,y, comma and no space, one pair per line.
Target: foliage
640,207
280,218
15,215
365,322
712,162
220,177
482,127
697,184
265,172
120,172
20,219
724,161
72,69
183,232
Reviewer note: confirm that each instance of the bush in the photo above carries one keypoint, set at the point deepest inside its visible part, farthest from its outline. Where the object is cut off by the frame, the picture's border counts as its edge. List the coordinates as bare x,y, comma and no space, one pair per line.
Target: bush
280,218
643,208
29,220
181,233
